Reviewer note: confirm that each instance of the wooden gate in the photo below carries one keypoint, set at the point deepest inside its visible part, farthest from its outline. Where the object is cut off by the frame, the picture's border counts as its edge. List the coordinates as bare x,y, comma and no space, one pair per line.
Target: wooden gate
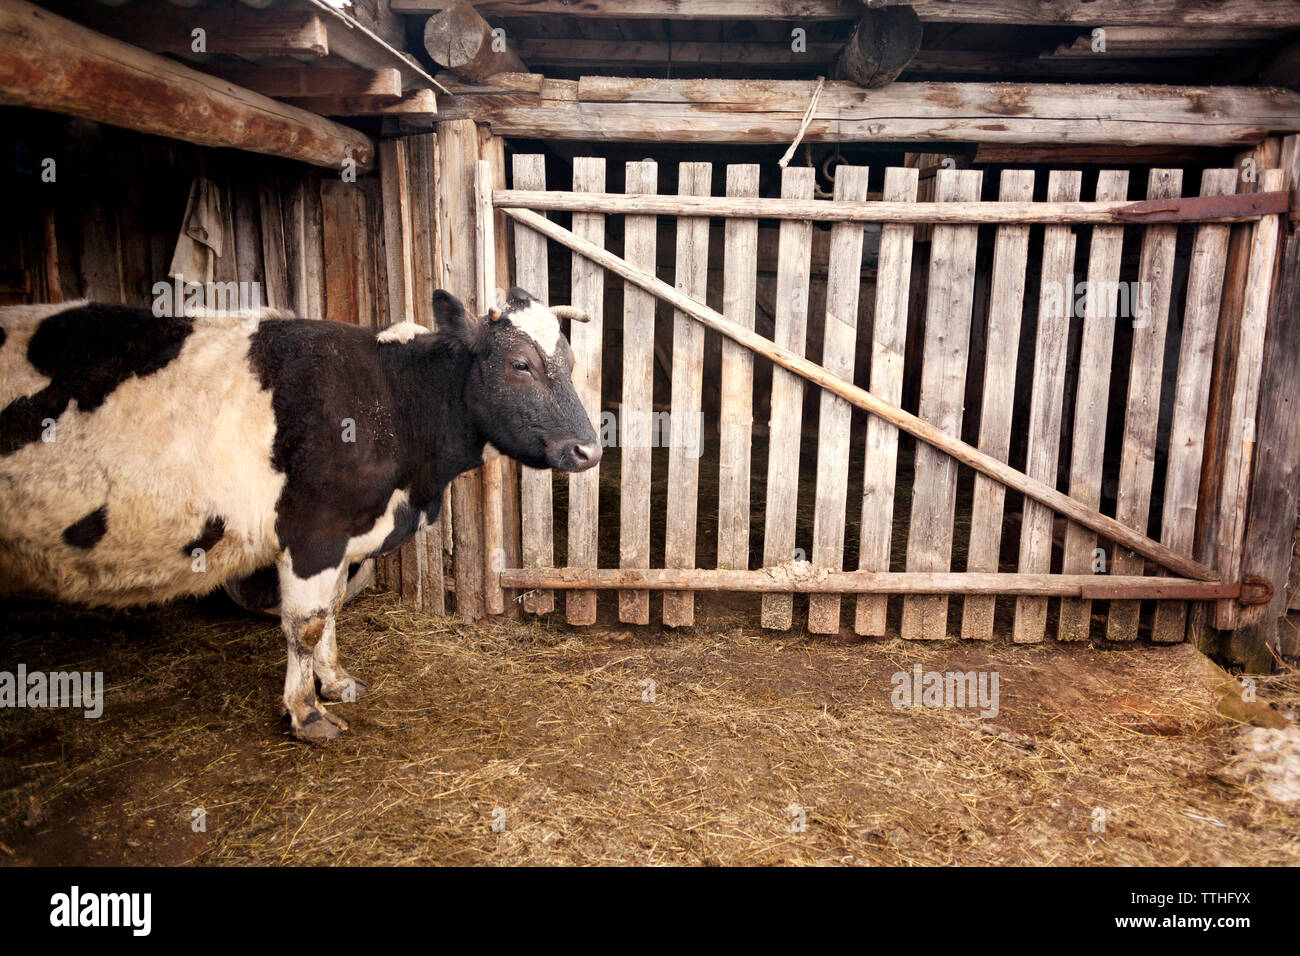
1182,569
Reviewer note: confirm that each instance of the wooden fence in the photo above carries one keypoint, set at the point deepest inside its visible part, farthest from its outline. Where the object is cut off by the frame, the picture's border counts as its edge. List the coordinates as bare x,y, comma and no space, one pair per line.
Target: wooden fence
1223,304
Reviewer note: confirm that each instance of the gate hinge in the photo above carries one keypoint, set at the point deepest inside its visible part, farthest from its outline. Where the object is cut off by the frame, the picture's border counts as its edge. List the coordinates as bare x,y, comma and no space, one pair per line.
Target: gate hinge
1255,590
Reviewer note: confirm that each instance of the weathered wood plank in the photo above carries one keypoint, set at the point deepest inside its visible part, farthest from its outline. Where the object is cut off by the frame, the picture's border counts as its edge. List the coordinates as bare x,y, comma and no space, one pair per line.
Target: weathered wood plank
740,300
1055,299
888,347
536,513
585,338
687,395
639,249
1267,548
1002,347
785,431
1192,394
1142,411
839,346
1239,449
494,532
398,241
949,303
1093,390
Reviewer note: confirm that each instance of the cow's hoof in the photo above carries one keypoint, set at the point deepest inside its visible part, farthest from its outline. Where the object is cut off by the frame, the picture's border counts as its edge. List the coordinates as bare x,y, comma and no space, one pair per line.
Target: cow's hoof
348,689
320,727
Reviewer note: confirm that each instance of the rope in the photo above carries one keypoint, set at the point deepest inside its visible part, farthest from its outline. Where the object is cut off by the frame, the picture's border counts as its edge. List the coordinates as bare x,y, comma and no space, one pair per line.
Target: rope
807,118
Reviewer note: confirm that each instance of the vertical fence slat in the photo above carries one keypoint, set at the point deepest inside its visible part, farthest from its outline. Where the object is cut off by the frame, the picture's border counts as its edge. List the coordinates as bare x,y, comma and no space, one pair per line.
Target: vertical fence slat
794,267
1089,443
532,274
693,179
839,344
1142,411
949,301
1002,347
736,427
585,338
494,534
1056,294
1240,446
1191,396
639,248
888,346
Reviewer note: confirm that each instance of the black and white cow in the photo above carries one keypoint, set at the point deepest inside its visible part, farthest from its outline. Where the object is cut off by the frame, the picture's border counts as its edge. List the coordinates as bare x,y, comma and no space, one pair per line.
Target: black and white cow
146,458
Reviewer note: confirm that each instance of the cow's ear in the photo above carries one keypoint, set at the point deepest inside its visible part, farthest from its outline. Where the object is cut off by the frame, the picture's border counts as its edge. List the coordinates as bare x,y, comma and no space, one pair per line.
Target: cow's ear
448,313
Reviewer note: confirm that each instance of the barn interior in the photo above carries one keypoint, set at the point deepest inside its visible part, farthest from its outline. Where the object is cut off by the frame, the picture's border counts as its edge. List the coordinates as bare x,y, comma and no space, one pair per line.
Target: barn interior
324,156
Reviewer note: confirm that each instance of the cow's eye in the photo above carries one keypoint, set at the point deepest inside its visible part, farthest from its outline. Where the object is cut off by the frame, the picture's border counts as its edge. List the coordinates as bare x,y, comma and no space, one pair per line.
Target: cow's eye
520,365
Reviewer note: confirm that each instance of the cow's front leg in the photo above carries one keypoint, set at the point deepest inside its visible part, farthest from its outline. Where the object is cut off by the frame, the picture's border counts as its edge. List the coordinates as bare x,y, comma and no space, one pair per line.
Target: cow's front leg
335,682
306,615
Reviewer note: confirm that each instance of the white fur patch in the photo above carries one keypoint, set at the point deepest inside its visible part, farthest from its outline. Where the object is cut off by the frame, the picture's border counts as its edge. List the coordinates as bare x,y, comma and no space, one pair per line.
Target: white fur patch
402,332
540,324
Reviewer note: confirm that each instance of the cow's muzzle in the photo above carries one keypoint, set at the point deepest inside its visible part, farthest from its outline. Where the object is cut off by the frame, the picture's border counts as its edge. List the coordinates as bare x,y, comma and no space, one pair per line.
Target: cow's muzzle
575,455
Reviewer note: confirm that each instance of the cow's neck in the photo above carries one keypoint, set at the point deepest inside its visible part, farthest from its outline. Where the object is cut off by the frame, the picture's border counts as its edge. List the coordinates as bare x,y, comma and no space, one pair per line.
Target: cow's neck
438,438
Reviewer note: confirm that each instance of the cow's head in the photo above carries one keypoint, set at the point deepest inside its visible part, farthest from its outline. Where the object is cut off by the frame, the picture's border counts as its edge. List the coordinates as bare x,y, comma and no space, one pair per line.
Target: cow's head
520,390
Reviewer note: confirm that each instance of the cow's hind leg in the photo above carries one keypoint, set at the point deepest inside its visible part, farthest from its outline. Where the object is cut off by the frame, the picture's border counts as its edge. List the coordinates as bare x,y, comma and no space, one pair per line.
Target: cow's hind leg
306,615
335,682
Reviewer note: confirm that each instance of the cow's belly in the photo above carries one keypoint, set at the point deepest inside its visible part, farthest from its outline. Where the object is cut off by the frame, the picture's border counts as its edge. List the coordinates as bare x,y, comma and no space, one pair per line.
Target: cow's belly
164,459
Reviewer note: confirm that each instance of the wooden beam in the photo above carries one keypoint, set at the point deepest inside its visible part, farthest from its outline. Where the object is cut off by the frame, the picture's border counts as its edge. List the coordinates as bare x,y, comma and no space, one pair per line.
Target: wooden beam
416,104
49,63
545,51
229,31
1272,13
620,109
462,41
288,81
807,578
879,48
918,428
361,46
1191,209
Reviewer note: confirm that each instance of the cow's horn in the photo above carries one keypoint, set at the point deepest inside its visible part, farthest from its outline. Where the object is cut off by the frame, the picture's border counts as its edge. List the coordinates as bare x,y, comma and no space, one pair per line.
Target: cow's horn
570,312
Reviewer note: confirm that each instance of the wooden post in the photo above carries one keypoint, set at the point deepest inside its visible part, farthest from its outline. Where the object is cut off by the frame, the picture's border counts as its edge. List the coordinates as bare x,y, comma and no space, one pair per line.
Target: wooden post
533,274
949,302
585,339
688,374
888,346
839,347
1055,299
1091,395
1270,530
1002,348
639,240
458,152
785,432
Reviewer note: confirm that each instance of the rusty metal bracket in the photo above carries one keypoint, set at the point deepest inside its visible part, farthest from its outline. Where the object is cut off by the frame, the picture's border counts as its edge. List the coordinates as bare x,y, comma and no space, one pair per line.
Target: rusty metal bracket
1255,590
1240,207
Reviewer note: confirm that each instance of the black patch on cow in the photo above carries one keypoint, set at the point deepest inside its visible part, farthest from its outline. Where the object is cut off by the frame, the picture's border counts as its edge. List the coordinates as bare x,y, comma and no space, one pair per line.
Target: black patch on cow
405,522
3,335
86,532
87,352
214,529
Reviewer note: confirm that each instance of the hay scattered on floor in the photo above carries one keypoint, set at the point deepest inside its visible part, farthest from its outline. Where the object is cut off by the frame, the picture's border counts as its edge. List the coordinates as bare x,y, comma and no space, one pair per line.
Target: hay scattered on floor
1096,757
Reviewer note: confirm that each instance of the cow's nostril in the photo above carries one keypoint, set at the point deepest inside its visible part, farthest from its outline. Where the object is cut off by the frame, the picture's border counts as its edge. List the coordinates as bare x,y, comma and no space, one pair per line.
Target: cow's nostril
585,454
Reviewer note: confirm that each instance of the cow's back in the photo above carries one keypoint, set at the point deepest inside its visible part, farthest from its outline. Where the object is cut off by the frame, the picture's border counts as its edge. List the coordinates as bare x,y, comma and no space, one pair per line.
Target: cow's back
135,453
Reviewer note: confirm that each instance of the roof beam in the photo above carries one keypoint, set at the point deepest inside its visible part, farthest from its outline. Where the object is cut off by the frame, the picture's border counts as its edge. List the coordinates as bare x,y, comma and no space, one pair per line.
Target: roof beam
49,63
282,81
1265,13
621,109
234,31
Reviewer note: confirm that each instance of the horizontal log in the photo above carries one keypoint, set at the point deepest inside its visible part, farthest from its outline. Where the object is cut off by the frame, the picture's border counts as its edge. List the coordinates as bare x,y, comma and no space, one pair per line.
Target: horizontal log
417,103
231,32
49,63
352,40
1269,13
1243,208
808,579
998,470
620,109
278,81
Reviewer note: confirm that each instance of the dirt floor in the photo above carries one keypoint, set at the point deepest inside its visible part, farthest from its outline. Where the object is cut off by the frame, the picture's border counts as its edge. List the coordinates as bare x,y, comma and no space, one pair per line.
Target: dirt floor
753,748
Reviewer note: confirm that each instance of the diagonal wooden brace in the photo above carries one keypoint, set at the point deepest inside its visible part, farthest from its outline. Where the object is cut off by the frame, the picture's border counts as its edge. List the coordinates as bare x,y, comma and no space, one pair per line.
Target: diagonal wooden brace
999,471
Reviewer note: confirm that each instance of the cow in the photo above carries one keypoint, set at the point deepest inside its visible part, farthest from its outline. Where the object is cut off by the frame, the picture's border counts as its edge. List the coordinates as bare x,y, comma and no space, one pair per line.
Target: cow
145,458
